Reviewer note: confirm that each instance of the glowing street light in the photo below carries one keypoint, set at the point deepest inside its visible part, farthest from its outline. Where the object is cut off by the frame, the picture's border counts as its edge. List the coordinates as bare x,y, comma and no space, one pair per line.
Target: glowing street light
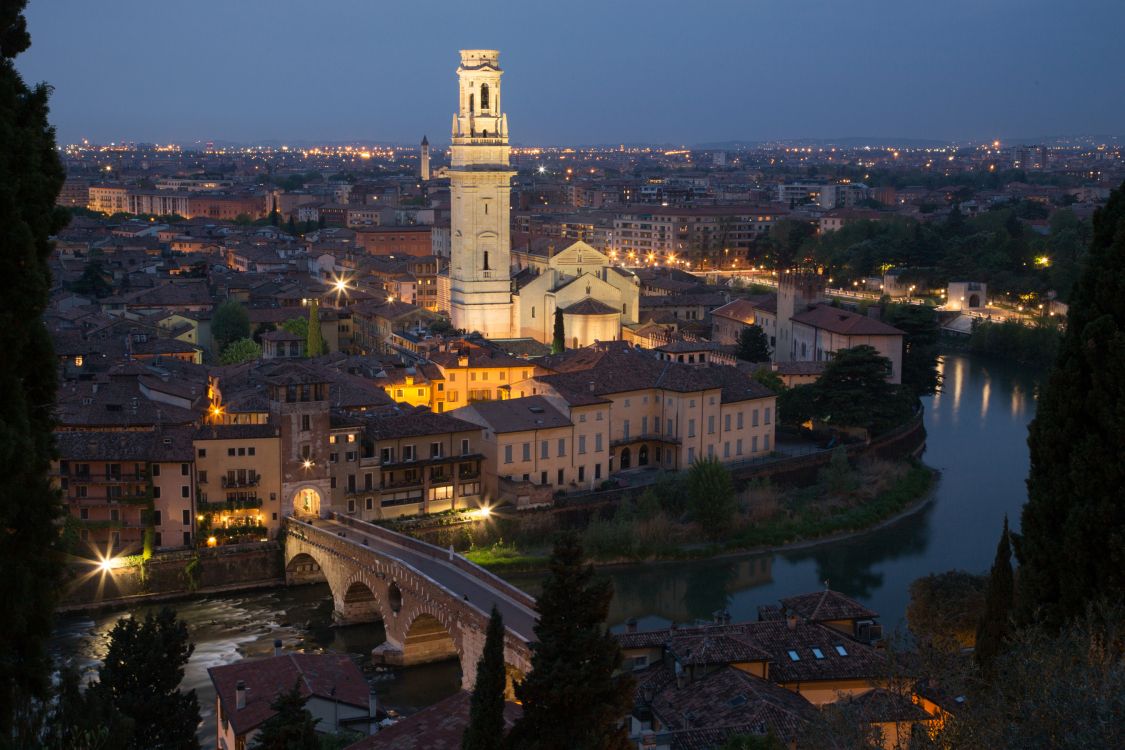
485,511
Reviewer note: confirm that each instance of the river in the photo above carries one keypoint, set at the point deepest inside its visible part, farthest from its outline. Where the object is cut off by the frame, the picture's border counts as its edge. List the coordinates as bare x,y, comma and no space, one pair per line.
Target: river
976,436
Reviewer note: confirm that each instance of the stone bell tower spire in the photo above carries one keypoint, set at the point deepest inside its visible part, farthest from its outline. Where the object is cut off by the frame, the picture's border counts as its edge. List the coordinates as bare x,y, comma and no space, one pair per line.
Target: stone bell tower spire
480,187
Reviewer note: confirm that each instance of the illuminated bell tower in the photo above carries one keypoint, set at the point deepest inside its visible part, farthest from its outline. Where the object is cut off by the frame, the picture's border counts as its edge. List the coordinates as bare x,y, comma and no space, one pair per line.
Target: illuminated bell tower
480,186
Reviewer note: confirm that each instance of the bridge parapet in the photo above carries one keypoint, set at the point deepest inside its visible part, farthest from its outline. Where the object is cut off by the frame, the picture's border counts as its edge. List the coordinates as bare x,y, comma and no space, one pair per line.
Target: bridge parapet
437,553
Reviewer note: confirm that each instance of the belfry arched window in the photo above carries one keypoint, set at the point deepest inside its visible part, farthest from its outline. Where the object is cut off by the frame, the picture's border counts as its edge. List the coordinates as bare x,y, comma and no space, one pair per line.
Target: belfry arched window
471,103
484,97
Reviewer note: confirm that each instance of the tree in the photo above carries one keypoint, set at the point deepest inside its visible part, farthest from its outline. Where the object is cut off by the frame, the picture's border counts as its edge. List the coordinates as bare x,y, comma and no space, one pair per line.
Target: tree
996,622
242,350
291,226
919,346
297,326
1072,544
770,379
571,699
486,714
558,343
314,343
92,281
711,495
753,344
1065,691
229,323
29,507
853,392
292,726
138,689
945,608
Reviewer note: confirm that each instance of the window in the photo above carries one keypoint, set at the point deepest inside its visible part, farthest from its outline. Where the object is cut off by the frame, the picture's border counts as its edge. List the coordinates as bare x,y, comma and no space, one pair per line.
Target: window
754,418
817,653
768,410
306,423
738,447
331,439
84,513
581,444
711,425
542,477
242,451
766,442
544,450
754,444
739,421
726,423
726,449
841,650
562,447
435,450
185,491
562,477
598,443
408,453
691,428
155,491
597,471
202,453
230,451
156,470
794,656
464,446
186,517
527,451
625,429
581,473
691,455
507,454
351,506
370,503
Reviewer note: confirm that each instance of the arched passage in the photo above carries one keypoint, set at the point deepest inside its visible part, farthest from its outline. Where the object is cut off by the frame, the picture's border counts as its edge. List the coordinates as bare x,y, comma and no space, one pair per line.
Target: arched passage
427,640
303,568
642,455
626,458
974,300
359,604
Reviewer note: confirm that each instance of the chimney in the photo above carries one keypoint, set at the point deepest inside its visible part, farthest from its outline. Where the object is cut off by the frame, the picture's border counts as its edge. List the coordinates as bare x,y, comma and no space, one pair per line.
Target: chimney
277,647
791,621
631,625
240,695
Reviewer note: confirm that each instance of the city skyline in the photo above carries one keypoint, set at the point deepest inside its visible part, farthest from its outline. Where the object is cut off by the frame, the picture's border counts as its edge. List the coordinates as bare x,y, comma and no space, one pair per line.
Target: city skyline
823,72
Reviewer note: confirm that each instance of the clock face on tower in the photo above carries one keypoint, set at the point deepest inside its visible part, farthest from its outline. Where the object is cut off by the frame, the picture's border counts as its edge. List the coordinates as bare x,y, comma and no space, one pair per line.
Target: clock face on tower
480,190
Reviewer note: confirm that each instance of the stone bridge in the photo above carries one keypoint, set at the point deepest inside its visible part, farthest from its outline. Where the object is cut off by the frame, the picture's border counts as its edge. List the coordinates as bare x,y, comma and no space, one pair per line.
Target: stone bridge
433,604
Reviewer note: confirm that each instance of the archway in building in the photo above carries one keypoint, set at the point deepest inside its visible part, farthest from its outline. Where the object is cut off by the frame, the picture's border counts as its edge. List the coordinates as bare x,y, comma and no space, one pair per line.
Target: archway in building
360,604
427,640
307,502
626,458
974,300
642,456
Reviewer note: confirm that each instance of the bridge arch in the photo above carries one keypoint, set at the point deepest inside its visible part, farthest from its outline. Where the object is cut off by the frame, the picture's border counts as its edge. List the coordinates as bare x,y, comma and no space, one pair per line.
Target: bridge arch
427,637
303,568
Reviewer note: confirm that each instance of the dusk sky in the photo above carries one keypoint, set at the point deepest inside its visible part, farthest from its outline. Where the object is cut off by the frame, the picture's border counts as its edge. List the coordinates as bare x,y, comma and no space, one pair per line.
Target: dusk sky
581,72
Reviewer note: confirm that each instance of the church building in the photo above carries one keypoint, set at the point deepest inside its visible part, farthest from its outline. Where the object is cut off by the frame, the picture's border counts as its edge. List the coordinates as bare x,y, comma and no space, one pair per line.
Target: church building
595,296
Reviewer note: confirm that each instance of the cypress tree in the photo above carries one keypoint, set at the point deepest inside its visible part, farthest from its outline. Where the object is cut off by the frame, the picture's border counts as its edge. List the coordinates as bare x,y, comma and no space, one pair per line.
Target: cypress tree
292,727
558,343
995,624
571,700
32,178
486,715
1072,543
314,343
753,344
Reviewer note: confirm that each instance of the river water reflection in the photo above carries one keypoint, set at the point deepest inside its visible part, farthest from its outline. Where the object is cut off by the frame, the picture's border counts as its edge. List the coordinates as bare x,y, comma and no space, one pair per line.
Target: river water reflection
977,429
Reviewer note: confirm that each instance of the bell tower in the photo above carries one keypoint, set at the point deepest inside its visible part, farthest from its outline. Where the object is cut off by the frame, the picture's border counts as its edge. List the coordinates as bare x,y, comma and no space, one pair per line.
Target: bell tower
480,188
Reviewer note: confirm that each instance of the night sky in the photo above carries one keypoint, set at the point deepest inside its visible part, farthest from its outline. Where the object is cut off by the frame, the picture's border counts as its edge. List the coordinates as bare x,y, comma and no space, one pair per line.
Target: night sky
578,72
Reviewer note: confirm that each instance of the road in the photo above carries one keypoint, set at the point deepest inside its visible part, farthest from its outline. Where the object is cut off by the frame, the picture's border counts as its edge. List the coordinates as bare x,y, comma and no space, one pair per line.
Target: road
517,617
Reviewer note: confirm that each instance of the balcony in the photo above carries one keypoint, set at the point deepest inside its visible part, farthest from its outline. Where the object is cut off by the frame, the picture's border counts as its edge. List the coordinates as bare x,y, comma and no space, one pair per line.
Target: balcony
399,484
111,478
469,474
645,437
252,480
232,504
442,478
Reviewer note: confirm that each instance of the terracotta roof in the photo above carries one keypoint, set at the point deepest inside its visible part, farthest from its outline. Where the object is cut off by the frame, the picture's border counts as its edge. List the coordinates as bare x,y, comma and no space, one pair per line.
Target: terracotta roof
317,674
590,306
844,322
169,444
518,414
437,727
416,423
827,605
726,701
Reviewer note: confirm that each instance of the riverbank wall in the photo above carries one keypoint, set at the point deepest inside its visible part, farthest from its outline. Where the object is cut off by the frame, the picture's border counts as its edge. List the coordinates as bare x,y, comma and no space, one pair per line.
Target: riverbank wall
172,575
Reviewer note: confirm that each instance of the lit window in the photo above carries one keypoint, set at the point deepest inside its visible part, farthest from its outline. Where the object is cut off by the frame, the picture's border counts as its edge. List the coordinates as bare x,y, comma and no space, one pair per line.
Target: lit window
818,653
794,656
841,651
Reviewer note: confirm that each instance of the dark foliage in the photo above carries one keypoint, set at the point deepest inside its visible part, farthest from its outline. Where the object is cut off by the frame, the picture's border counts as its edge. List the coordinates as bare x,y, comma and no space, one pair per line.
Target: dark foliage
486,713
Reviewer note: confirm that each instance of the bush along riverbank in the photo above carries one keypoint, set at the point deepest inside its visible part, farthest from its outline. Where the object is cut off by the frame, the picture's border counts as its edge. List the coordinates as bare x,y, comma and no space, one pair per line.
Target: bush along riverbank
1036,346
700,513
